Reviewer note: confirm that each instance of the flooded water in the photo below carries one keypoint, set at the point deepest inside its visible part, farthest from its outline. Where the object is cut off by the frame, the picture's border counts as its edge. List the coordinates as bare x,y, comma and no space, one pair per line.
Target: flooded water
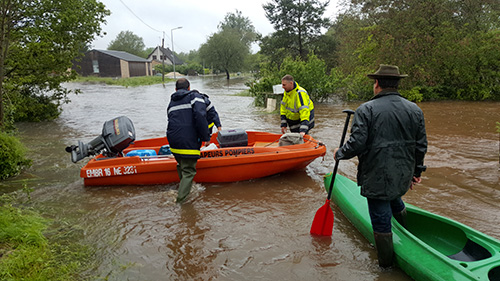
251,230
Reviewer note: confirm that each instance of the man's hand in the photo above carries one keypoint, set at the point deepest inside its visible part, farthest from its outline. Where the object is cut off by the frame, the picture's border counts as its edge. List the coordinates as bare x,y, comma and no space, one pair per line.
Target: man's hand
302,134
414,181
283,130
334,153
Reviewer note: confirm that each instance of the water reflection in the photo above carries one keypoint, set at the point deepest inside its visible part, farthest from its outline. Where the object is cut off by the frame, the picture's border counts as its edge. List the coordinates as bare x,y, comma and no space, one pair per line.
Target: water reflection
188,256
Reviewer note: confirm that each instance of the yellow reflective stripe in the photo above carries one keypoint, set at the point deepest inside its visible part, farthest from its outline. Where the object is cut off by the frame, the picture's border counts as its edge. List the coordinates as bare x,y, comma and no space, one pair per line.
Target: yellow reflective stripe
185,151
211,125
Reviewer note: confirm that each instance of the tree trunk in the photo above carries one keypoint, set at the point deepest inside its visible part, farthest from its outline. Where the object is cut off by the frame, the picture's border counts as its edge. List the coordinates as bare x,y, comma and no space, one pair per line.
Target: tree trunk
5,26
3,45
227,74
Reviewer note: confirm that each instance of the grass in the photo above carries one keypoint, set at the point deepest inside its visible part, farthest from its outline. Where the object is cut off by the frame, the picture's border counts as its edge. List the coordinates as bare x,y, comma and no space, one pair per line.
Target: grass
35,248
126,82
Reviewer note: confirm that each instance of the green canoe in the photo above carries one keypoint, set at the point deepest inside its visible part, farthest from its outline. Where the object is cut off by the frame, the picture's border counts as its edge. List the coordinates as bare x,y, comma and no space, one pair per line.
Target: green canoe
432,247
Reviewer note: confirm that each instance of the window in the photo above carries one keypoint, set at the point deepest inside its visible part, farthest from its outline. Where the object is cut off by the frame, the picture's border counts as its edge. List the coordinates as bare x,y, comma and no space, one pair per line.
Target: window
95,66
154,57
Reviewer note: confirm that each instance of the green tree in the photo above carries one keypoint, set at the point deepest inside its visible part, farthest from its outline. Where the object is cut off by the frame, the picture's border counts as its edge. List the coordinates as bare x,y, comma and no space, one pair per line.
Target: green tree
192,56
147,52
228,49
225,51
447,47
128,42
38,42
298,25
236,21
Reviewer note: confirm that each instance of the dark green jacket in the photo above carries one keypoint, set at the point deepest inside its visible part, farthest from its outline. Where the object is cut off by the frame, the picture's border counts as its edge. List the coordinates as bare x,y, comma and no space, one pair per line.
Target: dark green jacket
388,136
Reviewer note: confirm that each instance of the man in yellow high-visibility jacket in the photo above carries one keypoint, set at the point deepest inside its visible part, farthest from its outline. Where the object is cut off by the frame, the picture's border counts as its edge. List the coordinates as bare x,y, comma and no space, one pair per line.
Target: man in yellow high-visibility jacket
297,109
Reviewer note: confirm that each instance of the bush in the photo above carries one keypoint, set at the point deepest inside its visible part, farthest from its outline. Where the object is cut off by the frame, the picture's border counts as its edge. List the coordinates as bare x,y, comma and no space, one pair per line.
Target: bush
310,74
12,158
413,94
35,108
191,68
357,85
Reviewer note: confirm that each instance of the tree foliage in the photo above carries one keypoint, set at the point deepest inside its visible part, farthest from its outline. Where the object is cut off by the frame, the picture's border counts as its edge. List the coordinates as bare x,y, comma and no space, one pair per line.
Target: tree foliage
449,48
228,49
225,51
310,74
39,39
298,25
127,41
189,68
191,56
237,22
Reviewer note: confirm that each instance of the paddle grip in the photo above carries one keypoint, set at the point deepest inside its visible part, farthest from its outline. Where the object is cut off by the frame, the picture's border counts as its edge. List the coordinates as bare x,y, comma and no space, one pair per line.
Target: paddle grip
344,133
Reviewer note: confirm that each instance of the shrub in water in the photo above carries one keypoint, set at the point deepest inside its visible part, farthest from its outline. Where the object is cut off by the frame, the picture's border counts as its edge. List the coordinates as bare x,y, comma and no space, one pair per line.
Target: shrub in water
12,158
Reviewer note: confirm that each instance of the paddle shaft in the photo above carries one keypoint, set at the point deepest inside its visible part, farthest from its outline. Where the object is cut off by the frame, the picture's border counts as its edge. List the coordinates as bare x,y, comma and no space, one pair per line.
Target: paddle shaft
346,125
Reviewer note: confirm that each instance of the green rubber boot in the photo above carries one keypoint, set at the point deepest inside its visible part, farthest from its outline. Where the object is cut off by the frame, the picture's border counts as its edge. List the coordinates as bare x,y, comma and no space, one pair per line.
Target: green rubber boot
385,249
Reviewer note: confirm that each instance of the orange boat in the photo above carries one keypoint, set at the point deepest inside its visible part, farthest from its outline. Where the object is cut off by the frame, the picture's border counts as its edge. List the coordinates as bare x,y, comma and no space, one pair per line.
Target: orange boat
260,157
233,155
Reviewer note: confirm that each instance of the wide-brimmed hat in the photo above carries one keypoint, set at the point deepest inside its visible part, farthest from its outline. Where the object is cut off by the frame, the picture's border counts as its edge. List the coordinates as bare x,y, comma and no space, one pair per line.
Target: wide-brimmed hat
387,71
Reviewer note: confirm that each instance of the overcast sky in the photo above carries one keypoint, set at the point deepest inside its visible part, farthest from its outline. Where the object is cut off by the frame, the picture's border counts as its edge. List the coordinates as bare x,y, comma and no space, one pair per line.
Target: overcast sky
153,19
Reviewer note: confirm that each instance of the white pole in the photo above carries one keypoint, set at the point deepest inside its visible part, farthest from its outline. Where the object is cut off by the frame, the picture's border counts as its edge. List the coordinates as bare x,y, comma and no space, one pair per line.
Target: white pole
172,37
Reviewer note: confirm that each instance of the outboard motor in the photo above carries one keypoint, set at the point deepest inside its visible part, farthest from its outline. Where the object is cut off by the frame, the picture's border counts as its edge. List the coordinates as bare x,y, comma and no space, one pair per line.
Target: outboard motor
117,134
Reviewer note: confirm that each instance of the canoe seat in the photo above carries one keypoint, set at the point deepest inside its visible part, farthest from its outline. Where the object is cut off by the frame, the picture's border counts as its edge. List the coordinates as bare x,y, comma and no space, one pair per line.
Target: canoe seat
494,274
471,252
444,237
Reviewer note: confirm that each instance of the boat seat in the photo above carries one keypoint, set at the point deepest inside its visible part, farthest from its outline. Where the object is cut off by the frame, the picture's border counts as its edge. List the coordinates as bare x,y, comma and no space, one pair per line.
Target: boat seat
456,246
266,144
471,252
494,274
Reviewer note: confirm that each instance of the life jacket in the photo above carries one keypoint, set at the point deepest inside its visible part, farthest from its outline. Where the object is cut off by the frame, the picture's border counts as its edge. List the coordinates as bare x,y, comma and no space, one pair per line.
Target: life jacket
297,110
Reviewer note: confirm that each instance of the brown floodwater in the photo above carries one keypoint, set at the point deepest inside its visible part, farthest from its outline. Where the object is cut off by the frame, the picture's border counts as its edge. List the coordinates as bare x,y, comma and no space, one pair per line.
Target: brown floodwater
250,230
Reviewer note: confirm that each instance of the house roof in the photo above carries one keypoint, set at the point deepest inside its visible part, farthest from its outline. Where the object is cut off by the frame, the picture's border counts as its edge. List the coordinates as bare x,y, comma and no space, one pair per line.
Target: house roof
123,55
168,54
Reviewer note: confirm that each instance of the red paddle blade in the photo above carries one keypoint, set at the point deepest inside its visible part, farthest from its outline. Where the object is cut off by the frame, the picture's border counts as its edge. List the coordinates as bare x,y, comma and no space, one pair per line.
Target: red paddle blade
323,221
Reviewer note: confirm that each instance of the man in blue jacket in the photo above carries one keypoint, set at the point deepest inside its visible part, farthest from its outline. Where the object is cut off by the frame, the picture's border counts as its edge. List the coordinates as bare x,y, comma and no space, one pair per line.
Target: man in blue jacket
212,115
388,136
187,128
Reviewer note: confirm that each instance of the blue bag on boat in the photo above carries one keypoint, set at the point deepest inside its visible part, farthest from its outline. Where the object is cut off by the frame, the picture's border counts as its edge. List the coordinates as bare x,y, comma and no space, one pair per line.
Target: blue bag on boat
142,152
165,150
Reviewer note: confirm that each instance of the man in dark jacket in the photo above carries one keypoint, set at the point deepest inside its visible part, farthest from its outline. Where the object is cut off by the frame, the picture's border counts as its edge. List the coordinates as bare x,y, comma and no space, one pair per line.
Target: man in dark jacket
212,115
388,136
187,128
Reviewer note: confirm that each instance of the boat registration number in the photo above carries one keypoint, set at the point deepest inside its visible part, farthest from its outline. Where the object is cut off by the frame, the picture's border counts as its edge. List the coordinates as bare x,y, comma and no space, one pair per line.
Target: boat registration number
114,171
